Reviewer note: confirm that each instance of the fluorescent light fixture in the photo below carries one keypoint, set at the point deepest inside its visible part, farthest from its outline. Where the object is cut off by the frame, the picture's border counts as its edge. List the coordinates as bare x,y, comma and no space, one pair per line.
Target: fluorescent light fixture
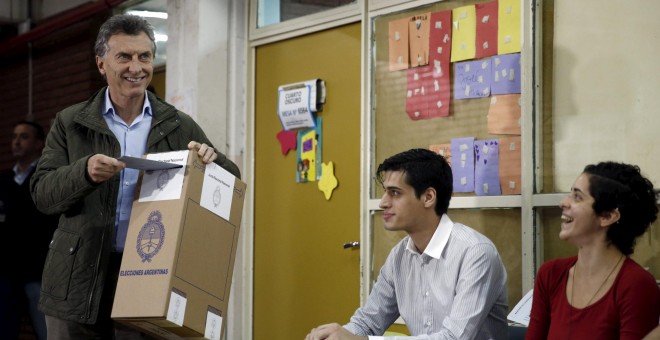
160,37
149,14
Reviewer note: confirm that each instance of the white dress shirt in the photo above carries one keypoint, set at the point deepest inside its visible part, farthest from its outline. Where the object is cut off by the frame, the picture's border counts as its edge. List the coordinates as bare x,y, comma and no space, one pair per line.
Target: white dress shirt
455,289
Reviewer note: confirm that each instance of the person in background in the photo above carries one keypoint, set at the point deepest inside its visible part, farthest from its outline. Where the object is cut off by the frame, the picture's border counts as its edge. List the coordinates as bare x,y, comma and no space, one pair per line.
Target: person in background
28,230
444,279
601,293
80,178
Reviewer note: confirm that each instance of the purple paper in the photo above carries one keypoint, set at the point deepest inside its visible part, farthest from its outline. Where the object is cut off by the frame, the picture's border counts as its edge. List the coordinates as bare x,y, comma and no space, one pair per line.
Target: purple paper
506,74
462,164
472,79
487,167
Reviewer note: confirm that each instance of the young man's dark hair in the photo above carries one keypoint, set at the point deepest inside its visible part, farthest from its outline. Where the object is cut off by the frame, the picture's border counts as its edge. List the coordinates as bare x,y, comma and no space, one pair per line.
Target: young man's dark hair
423,169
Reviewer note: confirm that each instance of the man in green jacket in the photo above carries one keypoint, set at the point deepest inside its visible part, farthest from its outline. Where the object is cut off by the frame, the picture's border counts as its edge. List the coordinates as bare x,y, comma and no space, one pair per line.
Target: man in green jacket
80,178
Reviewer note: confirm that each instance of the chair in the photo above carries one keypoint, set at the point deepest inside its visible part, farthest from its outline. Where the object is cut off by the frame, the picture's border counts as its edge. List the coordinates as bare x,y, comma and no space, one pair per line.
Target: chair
517,332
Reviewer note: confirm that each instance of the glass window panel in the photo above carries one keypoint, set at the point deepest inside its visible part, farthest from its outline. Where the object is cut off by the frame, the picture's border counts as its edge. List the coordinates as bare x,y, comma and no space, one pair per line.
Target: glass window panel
271,12
395,129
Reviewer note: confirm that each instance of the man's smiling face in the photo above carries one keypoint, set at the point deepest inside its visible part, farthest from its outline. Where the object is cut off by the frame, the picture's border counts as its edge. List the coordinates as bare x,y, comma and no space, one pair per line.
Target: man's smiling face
128,65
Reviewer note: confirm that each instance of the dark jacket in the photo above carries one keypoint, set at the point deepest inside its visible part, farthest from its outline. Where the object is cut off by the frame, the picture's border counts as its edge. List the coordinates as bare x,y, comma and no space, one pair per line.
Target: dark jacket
74,273
26,228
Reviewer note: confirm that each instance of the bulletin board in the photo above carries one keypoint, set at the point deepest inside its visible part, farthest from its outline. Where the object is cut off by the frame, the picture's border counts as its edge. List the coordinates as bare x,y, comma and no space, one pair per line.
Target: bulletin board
394,130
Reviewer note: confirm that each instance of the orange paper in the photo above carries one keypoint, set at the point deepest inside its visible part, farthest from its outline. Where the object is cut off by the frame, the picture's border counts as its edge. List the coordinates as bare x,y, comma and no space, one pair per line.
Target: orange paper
398,40
510,165
504,115
418,35
442,150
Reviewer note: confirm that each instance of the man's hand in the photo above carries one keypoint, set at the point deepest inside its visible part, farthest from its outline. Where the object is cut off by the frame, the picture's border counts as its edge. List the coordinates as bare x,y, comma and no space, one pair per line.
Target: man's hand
332,331
101,168
204,151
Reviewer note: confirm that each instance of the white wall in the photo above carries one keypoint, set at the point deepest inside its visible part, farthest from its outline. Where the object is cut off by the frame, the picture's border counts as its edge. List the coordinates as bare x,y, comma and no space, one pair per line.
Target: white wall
605,86
206,78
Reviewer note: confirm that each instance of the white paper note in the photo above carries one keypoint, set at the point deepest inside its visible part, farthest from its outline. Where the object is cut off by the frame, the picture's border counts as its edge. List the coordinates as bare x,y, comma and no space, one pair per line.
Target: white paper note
520,313
160,185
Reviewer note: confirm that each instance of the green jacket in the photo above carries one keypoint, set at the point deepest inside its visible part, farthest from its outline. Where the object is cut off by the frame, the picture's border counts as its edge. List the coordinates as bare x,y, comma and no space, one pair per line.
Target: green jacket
74,273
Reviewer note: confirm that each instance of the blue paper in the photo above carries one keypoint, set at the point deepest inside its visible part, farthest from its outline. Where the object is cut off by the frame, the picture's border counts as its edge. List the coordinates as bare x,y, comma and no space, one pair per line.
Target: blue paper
487,167
506,74
462,164
472,79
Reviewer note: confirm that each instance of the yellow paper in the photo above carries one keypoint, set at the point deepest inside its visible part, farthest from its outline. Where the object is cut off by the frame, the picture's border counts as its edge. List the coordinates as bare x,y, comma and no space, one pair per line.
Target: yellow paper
508,32
308,157
328,181
464,33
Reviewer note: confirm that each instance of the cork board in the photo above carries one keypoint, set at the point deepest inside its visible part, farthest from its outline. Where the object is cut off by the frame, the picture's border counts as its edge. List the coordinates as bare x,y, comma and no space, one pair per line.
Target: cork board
394,131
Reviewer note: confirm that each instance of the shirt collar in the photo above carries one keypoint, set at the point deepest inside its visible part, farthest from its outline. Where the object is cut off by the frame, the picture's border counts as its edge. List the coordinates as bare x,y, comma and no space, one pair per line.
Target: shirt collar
27,170
108,109
438,240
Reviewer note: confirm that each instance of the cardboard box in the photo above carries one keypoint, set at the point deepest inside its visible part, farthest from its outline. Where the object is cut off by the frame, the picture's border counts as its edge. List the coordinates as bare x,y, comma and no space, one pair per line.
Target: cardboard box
180,249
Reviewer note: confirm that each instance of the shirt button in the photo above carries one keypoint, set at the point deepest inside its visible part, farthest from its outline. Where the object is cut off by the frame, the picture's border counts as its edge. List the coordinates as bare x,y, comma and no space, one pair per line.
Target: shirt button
426,294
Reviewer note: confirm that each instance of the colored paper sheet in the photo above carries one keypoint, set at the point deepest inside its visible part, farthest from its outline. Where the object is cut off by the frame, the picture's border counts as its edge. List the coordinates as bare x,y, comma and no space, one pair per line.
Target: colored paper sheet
428,87
287,140
440,38
443,150
486,41
487,168
506,74
464,26
308,166
439,59
472,79
398,48
508,32
417,92
504,115
510,165
462,151
418,39
328,181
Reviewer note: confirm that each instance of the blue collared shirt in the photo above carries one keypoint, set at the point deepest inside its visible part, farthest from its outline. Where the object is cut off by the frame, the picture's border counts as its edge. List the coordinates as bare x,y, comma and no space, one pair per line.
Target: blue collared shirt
133,142
19,177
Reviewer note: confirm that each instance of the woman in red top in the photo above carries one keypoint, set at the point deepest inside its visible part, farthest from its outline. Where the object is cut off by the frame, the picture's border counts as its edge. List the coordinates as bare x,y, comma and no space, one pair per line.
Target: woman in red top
601,293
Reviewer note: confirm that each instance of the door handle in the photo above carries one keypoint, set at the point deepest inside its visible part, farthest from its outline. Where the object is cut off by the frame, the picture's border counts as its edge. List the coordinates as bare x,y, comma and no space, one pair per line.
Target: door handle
354,244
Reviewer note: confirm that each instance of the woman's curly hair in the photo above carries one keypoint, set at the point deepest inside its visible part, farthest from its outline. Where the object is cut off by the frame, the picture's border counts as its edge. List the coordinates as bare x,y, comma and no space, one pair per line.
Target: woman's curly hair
622,186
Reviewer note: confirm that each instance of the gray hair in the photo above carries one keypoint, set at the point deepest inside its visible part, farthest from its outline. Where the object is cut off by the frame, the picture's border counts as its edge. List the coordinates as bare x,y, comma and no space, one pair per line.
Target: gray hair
122,23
